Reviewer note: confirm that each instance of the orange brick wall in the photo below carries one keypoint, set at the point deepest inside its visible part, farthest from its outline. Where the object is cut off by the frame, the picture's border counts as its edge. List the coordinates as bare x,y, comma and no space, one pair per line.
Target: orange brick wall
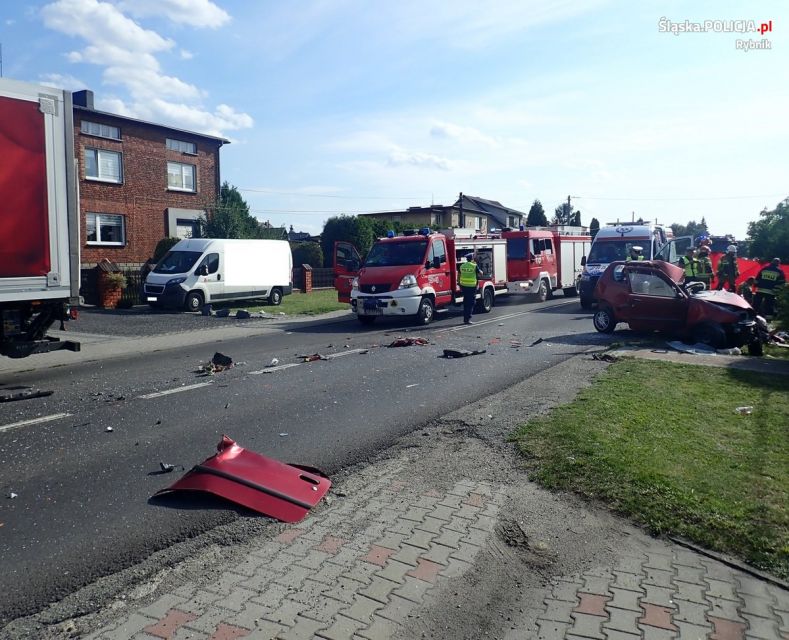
143,197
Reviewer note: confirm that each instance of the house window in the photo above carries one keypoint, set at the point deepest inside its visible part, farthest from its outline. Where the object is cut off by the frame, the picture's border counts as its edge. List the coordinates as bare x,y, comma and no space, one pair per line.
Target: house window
187,229
103,165
477,223
106,228
180,177
182,146
100,130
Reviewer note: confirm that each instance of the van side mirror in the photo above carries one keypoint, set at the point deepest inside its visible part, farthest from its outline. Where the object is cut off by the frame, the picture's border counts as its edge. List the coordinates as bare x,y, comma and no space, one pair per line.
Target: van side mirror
583,261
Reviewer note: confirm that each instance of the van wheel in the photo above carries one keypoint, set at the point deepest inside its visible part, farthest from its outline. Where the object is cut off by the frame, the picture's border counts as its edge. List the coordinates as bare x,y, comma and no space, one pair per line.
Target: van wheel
542,292
485,303
366,319
194,301
275,297
586,303
426,311
604,320
710,334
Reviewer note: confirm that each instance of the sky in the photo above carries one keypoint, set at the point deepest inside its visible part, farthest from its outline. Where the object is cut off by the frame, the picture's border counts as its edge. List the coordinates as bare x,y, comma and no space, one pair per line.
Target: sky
352,106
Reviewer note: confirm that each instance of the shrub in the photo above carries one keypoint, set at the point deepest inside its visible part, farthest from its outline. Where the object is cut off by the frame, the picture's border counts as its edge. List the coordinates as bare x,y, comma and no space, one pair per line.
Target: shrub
163,246
307,253
115,280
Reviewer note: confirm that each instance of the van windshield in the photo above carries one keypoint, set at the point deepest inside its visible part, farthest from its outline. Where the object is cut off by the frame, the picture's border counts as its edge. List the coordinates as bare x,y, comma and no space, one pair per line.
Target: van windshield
177,262
607,251
394,254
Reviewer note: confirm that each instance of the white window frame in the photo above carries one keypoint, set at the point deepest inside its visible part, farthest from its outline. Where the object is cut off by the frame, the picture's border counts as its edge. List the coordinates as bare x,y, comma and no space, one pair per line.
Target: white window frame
99,153
194,177
187,148
86,126
97,222
477,223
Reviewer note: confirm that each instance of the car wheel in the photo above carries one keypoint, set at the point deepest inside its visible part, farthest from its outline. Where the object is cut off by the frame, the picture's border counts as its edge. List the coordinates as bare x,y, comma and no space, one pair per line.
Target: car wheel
756,348
367,320
194,301
586,303
426,311
275,297
485,303
604,320
712,335
542,292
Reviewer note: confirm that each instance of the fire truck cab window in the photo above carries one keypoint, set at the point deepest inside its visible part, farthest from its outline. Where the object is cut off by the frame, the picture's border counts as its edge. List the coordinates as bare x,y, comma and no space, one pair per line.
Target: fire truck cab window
394,254
517,248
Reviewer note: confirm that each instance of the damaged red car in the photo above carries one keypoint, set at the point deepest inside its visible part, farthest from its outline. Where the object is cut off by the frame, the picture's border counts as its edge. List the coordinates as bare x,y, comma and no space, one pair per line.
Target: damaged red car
653,296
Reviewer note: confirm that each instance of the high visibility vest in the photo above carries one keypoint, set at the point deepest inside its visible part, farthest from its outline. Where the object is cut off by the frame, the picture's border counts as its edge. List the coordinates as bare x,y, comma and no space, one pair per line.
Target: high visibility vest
468,274
768,280
629,258
690,266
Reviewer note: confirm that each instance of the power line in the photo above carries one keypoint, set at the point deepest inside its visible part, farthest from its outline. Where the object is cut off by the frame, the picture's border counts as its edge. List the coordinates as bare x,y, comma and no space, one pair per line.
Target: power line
328,195
682,199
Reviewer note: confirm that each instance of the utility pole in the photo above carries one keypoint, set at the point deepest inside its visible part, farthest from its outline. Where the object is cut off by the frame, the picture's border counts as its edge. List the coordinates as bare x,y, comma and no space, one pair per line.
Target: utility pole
1,59
461,218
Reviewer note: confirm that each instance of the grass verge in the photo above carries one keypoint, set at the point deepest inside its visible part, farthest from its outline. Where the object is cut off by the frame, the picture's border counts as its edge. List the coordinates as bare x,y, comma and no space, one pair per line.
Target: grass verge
662,444
320,301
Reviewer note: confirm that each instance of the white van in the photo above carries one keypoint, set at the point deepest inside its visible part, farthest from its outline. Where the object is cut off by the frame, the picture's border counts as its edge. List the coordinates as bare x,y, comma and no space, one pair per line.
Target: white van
197,271
613,243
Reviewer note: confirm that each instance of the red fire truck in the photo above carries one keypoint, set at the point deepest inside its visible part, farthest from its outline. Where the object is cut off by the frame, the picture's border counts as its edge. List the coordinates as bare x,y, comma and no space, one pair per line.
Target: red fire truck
542,260
415,274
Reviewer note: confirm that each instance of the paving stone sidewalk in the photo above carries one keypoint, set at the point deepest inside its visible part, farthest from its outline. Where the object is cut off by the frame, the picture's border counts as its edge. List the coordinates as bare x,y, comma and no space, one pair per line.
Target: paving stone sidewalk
364,566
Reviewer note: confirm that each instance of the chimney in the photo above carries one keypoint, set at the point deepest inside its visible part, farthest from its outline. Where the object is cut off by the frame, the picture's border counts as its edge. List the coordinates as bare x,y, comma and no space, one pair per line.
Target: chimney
83,98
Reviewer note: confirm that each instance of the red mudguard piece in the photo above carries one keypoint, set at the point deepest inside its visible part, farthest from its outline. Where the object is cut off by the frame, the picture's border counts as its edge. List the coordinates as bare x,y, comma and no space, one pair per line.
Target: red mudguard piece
265,485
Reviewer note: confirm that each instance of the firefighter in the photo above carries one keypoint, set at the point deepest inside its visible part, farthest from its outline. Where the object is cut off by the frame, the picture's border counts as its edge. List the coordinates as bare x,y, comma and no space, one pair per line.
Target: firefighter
690,265
728,271
768,282
746,290
469,276
636,253
704,267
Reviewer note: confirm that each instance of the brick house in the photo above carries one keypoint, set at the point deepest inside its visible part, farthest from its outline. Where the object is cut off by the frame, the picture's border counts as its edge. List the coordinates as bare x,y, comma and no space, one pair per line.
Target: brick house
139,182
469,212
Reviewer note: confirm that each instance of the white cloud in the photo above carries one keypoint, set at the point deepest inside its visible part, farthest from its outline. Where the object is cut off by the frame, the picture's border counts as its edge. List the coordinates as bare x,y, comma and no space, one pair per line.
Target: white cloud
129,54
195,13
62,81
10,22
459,133
186,55
399,157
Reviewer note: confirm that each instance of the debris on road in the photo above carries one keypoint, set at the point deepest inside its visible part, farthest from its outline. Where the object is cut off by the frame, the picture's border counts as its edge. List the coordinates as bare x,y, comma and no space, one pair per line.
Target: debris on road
283,491
274,362
461,353
312,357
166,467
108,430
243,314
409,342
283,435
695,349
605,357
12,495
25,395
537,341
220,362
222,313
733,351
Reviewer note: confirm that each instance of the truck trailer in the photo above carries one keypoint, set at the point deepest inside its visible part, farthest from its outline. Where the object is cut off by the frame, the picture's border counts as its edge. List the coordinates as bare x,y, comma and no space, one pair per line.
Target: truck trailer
39,218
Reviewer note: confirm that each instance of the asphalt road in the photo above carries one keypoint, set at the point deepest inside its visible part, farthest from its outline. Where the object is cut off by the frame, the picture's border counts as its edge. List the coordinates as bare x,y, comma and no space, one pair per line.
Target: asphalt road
82,508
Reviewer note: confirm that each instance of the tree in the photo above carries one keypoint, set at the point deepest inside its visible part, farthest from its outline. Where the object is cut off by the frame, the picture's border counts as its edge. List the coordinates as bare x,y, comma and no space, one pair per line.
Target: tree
163,246
229,217
536,217
769,236
563,214
307,253
354,229
594,227
693,228
576,219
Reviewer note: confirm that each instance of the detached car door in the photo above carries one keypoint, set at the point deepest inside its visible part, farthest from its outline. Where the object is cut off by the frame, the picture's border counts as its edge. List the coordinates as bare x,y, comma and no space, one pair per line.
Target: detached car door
656,303
346,265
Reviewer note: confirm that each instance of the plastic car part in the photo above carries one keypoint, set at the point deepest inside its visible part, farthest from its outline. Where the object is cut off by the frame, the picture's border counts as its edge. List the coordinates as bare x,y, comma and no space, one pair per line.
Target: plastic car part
283,491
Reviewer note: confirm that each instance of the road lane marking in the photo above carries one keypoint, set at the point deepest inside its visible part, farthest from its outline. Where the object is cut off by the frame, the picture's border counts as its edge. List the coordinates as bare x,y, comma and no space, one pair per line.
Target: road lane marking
273,369
331,356
24,423
188,387
504,317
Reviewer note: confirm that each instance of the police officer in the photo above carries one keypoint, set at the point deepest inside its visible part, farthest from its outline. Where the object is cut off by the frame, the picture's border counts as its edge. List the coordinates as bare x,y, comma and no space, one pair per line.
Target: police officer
636,253
704,266
690,265
728,271
469,276
768,283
